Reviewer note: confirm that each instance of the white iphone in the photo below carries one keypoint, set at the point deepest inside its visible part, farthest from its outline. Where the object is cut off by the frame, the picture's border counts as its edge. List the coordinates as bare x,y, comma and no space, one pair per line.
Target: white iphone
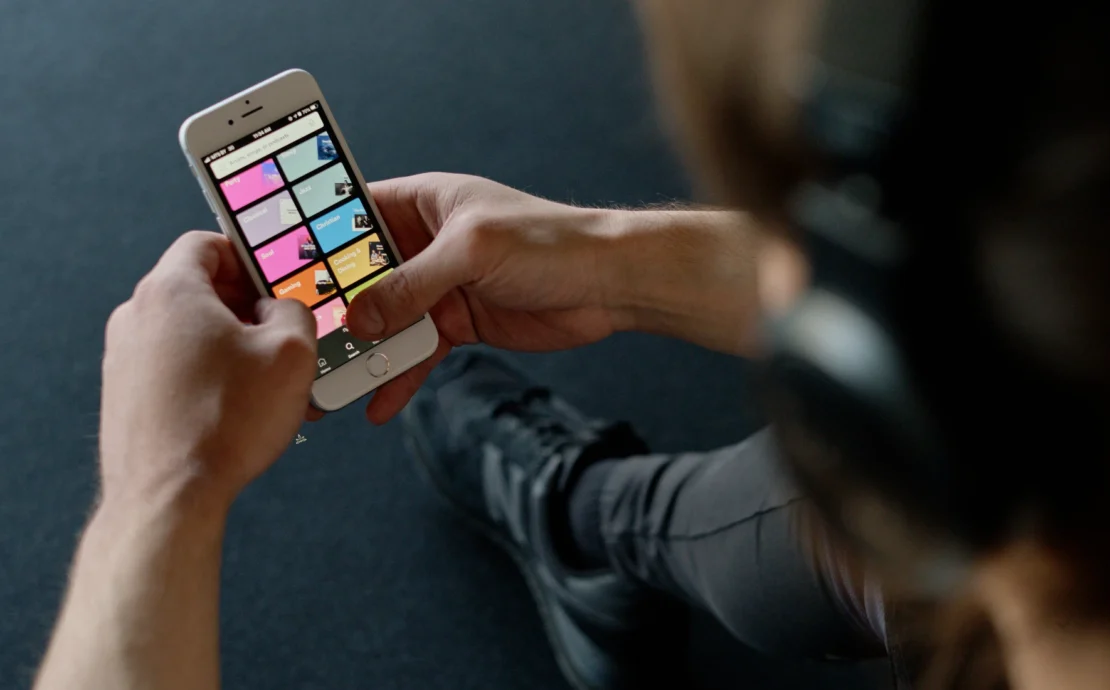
287,192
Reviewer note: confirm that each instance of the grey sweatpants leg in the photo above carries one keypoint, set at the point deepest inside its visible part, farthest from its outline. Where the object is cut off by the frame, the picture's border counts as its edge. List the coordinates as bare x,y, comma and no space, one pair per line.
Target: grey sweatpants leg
728,531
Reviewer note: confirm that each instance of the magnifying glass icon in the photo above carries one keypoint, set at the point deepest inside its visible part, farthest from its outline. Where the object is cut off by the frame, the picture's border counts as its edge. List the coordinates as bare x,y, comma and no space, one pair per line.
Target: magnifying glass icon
351,347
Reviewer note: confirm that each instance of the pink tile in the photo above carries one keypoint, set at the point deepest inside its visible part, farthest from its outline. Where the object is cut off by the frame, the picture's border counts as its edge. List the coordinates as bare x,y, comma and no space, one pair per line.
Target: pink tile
286,254
251,184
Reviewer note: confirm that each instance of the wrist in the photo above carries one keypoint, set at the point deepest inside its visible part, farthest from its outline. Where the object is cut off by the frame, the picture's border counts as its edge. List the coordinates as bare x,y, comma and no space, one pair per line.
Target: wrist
619,247
127,529
683,273
606,247
185,499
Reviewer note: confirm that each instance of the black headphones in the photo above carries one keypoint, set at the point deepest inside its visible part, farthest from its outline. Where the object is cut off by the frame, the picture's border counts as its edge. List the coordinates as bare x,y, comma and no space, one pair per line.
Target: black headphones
898,403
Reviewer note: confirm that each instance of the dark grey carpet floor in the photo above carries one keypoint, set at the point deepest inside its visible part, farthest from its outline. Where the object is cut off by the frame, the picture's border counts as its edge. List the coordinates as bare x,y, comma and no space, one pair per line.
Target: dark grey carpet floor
342,570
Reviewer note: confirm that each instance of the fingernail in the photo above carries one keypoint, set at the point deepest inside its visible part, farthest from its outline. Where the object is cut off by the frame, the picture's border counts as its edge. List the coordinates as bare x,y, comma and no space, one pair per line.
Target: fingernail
368,320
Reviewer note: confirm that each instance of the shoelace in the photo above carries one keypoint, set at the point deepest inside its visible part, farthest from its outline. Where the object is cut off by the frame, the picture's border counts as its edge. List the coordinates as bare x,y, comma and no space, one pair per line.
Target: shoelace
549,433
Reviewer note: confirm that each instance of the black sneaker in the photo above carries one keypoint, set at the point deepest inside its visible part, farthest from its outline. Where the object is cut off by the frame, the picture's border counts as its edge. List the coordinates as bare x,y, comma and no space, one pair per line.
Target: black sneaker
501,451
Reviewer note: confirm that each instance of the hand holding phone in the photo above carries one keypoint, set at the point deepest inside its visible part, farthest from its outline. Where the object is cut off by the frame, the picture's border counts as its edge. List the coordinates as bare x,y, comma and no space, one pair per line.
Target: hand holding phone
262,374
494,265
285,189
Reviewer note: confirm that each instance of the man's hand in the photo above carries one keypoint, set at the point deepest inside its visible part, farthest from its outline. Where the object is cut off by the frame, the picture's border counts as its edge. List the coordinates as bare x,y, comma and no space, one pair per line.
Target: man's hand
492,265
501,267
204,386
193,396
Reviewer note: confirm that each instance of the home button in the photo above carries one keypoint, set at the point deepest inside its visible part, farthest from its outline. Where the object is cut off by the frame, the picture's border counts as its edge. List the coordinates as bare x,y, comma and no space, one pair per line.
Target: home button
378,365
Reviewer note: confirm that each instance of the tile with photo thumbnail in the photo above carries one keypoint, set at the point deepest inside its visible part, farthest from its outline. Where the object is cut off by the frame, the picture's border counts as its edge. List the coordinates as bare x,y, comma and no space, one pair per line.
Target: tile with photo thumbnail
286,254
306,157
323,189
330,316
325,149
251,184
324,283
310,285
341,225
269,218
356,261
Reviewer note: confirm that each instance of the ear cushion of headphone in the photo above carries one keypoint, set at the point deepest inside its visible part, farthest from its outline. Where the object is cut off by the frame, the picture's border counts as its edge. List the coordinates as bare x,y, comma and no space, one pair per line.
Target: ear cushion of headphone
849,421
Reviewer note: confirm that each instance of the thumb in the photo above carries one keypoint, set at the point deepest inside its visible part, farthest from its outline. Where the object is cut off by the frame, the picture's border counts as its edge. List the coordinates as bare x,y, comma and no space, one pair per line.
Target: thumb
401,298
288,325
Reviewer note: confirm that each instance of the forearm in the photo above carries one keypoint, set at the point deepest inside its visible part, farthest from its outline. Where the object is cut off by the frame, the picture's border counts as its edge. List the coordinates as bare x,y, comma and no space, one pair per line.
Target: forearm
688,274
142,607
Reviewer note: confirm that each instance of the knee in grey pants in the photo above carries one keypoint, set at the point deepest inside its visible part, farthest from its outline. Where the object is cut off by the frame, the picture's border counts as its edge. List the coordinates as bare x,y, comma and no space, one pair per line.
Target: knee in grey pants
728,531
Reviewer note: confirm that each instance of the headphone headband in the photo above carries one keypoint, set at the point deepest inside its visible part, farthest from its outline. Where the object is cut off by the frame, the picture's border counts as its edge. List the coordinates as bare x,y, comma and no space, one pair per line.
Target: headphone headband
851,420
860,77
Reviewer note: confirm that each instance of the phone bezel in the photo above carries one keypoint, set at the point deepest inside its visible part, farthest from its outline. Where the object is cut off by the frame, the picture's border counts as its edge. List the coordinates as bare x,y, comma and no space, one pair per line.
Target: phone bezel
208,130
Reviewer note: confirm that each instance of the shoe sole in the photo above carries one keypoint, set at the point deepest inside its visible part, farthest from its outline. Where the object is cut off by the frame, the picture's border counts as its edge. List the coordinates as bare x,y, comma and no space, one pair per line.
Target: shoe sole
539,593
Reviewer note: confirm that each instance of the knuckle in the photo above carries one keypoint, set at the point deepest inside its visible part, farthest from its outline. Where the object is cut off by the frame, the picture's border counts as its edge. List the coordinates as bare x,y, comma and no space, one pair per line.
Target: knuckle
150,290
299,312
309,323
117,321
447,193
484,230
471,224
191,237
432,179
478,235
198,237
443,180
292,348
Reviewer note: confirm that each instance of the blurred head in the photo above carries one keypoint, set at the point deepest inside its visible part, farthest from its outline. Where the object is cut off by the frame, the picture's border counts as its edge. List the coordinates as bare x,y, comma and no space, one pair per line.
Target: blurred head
998,180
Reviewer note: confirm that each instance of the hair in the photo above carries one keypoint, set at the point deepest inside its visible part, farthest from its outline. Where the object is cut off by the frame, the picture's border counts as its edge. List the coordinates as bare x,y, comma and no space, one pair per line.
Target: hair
1014,182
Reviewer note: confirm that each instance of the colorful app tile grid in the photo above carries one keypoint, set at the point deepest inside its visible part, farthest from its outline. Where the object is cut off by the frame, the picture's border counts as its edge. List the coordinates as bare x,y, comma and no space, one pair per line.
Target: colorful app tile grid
341,225
310,286
307,156
251,184
286,254
330,317
324,189
358,260
351,294
272,216
309,231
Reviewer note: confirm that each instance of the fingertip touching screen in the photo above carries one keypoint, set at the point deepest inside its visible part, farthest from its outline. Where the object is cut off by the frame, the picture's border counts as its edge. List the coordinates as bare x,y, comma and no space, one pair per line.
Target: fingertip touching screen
309,227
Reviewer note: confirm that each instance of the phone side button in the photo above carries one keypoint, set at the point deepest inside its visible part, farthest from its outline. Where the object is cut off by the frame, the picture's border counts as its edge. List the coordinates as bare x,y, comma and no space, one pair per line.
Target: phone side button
223,226
208,198
378,365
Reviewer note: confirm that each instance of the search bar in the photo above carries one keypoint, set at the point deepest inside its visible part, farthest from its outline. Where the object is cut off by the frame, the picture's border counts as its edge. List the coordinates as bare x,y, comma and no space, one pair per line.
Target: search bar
257,150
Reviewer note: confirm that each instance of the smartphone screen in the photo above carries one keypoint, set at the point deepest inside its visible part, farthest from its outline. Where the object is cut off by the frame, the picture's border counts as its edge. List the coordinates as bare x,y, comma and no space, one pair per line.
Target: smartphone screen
309,227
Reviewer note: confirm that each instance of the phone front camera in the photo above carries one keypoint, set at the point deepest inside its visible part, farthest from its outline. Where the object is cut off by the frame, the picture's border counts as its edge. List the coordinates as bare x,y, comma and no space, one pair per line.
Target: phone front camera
231,122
